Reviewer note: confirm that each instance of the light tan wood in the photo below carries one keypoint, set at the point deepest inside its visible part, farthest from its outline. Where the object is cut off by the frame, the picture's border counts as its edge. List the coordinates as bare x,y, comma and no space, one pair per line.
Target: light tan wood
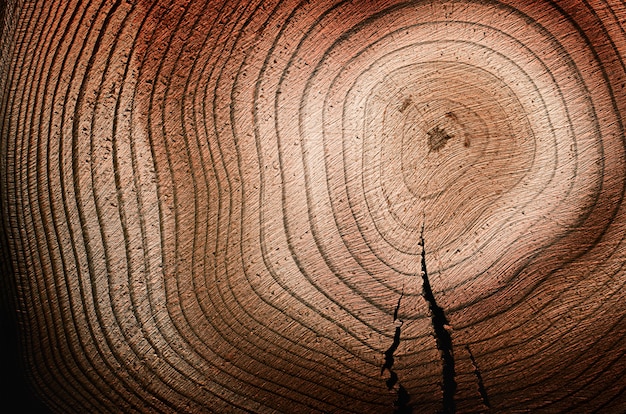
275,206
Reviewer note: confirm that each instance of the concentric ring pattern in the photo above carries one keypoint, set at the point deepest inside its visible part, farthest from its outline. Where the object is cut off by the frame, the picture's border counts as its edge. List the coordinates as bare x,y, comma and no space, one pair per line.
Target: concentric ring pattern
327,206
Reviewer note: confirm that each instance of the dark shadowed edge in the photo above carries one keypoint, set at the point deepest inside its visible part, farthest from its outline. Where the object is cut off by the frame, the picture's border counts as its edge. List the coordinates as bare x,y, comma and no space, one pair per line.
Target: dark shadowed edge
16,392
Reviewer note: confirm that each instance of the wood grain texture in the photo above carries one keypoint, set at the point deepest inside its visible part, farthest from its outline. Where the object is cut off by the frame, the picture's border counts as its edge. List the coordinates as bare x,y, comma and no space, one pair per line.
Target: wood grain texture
330,206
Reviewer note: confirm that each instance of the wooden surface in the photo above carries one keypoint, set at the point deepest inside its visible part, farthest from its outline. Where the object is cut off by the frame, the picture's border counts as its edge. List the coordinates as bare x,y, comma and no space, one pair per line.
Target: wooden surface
282,206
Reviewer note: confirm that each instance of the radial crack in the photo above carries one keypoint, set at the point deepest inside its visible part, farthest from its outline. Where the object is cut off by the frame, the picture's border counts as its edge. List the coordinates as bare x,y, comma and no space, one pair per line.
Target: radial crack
395,312
442,337
402,403
403,397
479,378
389,360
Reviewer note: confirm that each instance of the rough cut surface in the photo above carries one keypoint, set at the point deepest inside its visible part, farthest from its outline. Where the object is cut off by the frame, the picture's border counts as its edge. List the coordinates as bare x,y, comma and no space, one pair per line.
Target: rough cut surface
319,206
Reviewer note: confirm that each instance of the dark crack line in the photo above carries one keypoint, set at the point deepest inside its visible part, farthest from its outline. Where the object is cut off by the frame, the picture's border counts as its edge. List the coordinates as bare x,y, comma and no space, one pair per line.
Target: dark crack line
479,378
442,337
403,397
395,312
402,403
389,360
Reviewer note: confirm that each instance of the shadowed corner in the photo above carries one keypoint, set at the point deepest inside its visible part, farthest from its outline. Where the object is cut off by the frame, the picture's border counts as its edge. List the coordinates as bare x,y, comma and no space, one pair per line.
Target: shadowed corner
16,394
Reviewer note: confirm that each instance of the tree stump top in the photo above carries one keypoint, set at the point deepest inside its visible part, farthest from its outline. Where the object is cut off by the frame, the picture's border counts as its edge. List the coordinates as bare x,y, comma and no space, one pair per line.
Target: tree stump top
328,206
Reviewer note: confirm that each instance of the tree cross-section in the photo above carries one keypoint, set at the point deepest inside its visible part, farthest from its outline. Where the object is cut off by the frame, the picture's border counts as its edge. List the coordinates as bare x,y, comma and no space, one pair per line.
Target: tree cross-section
324,206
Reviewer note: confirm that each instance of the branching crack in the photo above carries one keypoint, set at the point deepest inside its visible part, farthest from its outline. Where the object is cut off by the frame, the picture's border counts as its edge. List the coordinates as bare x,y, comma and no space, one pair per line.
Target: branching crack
389,360
479,378
442,337
403,397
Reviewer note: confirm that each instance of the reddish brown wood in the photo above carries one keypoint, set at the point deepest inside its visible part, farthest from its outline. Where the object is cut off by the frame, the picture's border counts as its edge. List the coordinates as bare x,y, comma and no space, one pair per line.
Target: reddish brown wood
283,206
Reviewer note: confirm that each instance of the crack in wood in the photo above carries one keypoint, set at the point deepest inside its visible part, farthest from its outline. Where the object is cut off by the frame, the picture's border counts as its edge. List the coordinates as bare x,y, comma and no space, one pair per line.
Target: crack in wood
395,312
403,397
389,359
442,336
402,403
479,379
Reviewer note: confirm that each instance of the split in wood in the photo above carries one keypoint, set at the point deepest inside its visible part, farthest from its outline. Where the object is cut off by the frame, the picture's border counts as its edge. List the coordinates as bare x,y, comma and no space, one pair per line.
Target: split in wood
403,399
479,379
442,337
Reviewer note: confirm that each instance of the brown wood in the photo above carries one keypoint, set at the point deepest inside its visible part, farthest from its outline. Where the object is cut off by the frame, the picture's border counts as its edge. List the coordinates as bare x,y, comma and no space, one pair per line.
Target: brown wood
282,206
